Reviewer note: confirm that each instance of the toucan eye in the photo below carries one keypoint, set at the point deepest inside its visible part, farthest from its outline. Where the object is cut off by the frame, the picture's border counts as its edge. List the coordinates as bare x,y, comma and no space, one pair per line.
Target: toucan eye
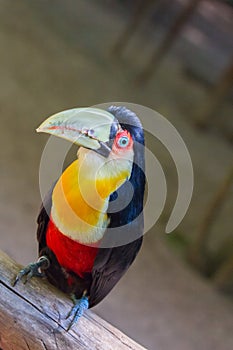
123,141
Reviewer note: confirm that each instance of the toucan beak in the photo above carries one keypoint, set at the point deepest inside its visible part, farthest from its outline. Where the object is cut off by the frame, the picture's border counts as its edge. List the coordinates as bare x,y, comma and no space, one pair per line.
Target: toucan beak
86,127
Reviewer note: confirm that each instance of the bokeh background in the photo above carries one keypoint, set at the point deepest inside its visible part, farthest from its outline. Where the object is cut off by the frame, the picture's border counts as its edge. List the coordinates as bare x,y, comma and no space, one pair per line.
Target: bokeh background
174,57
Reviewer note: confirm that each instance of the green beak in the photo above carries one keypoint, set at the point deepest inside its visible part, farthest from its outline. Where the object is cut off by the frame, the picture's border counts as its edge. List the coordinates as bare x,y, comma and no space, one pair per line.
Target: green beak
86,127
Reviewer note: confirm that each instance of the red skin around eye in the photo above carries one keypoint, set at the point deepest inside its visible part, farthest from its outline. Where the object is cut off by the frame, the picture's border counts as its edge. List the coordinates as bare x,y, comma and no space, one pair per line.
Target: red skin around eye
118,136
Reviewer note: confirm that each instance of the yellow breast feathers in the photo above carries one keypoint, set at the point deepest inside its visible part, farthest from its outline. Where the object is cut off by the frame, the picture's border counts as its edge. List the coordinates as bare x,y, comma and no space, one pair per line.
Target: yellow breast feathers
80,197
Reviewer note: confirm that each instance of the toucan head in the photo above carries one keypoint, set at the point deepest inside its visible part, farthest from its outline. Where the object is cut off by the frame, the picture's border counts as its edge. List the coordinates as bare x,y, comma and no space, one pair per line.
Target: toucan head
110,138
91,128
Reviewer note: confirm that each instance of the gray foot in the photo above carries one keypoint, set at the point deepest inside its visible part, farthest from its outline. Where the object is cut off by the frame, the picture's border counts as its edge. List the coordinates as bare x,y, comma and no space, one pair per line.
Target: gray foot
80,305
33,269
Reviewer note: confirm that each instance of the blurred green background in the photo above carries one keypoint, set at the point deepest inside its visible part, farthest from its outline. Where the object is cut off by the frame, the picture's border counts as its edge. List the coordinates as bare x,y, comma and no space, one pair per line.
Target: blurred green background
174,57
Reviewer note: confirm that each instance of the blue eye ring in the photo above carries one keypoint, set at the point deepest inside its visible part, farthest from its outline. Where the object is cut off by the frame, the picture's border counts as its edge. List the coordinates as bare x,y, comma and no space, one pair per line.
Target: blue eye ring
123,141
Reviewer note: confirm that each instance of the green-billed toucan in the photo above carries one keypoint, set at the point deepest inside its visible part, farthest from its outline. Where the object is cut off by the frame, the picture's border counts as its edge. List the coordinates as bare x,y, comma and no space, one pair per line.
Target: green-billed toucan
86,241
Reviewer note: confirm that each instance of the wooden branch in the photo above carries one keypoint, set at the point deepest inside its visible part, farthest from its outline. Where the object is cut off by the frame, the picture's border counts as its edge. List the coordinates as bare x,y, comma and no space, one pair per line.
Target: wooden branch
215,96
198,254
223,278
32,316
168,41
137,17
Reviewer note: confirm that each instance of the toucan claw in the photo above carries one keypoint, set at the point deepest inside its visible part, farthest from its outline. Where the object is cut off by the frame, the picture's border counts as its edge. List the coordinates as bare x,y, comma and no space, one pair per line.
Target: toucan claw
32,270
80,305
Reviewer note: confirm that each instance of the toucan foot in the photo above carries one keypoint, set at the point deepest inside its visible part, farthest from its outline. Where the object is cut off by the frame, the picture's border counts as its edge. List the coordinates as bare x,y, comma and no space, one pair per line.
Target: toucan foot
80,305
32,270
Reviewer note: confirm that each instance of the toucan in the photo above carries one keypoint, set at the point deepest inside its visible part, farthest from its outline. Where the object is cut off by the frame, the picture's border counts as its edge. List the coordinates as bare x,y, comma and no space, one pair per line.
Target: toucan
90,225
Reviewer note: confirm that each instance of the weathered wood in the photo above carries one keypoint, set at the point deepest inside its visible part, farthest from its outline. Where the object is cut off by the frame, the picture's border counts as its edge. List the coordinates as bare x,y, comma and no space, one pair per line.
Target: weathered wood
32,316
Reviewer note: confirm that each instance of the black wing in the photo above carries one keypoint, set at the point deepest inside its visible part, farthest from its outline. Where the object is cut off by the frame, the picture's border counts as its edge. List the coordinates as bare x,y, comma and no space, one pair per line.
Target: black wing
43,219
110,266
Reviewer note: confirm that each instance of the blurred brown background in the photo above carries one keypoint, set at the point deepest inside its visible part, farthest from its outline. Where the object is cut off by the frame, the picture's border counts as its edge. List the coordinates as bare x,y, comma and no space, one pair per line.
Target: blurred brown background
174,57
